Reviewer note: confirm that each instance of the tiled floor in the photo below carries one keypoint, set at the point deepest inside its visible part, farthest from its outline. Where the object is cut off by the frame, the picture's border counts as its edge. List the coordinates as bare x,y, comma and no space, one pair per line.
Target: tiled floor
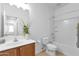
43,53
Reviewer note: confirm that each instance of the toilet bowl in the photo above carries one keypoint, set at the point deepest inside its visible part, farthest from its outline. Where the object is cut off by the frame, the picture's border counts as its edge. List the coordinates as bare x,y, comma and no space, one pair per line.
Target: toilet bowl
49,47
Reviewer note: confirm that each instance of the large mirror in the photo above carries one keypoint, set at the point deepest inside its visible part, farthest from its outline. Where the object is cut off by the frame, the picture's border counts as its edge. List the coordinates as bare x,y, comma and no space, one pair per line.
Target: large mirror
13,21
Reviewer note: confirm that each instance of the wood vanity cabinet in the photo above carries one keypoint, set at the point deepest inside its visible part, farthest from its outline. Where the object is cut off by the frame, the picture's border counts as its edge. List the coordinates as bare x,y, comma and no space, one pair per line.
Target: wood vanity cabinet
26,50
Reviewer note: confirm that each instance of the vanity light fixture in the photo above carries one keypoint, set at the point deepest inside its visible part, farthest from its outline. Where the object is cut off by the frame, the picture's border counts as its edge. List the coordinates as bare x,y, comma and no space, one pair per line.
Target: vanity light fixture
24,6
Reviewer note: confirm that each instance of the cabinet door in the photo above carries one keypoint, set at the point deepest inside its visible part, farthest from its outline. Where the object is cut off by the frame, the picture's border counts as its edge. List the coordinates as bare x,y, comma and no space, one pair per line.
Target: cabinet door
11,52
28,50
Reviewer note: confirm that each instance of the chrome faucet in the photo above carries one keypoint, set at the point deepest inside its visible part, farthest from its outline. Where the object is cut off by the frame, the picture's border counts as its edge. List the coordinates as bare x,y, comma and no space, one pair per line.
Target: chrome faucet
15,40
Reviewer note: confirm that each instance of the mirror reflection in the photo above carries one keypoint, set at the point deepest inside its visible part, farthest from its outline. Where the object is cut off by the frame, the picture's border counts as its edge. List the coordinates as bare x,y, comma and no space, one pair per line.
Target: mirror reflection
10,25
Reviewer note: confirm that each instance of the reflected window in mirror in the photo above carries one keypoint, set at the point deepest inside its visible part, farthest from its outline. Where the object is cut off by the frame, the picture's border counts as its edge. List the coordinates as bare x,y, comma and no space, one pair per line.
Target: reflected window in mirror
11,25
10,28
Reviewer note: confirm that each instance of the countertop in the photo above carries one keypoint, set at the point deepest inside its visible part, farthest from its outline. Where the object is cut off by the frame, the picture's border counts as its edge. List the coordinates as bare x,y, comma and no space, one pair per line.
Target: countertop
10,45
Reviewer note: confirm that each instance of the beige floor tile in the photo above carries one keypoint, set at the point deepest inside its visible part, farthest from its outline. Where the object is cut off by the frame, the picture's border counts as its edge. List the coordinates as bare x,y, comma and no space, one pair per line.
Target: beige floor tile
43,53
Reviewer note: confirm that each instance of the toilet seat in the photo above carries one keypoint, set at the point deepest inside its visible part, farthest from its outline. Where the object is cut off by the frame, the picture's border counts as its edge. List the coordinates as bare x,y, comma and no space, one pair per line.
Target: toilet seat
51,47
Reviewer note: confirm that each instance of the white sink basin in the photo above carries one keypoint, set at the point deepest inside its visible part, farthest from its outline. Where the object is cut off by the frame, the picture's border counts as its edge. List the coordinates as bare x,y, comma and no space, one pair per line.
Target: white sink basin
15,43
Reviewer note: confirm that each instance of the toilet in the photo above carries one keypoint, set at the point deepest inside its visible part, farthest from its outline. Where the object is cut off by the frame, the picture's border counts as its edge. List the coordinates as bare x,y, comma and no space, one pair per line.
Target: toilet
49,47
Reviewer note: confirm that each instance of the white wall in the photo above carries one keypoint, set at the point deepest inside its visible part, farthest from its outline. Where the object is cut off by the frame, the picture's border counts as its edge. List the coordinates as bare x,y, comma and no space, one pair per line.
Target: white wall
40,19
66,35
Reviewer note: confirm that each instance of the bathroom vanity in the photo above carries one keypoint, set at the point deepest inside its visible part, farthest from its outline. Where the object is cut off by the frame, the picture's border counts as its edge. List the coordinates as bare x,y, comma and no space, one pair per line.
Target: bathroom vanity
24,48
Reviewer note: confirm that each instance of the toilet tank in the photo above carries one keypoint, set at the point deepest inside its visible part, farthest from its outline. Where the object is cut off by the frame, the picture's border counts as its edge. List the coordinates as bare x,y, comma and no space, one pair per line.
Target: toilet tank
45,40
